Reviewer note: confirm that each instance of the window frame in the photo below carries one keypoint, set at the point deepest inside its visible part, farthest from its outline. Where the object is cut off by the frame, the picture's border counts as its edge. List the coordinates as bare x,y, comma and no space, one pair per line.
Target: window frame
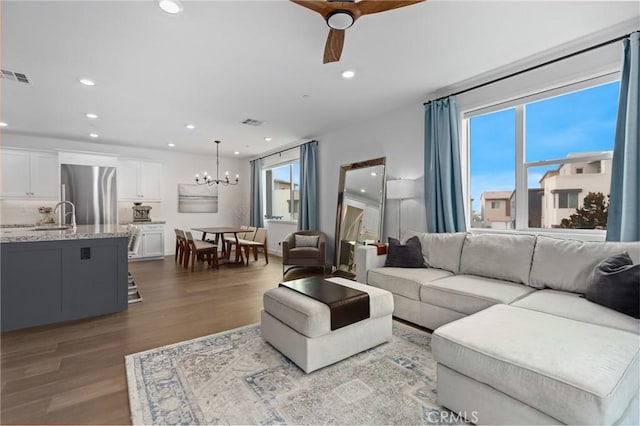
521,166
289,162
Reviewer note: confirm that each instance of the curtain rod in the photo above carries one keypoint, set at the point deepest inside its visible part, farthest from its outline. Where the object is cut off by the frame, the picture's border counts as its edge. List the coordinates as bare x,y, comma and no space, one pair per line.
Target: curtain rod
284,150
534,67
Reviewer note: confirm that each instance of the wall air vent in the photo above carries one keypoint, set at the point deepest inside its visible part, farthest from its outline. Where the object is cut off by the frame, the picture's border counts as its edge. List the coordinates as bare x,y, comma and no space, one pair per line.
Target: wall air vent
14,76
252,122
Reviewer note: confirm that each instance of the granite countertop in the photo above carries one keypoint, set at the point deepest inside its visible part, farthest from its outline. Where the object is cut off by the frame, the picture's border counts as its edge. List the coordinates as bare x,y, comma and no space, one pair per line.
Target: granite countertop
151,222
16,234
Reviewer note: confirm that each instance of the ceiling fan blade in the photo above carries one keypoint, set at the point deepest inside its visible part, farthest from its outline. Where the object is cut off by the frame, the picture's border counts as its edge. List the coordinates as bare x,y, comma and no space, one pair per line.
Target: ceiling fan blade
333,48
320,6
368,7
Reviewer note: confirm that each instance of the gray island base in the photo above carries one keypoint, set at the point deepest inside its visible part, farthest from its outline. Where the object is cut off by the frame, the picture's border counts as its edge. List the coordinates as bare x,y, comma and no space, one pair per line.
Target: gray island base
49,280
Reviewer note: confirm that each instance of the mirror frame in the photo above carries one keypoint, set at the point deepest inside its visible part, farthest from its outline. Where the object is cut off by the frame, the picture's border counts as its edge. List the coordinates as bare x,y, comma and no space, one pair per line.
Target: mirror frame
341,188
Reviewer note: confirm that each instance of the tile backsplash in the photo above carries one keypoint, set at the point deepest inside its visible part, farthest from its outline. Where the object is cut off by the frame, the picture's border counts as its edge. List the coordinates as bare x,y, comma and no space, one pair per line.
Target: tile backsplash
125,213
25,212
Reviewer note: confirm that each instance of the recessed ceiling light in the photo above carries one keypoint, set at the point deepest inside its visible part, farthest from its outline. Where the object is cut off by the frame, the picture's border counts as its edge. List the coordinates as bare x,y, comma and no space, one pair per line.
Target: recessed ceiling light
348,74
90,115
374,174
236,153
3,124
268,139
362,190
93,135
87,82
171,145
190,126
172,7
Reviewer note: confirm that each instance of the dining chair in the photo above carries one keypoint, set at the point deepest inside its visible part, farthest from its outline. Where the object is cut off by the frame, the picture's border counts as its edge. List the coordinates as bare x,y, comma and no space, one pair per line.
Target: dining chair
135,237
179,245
197,248
259,242
246,236
183,250
231,239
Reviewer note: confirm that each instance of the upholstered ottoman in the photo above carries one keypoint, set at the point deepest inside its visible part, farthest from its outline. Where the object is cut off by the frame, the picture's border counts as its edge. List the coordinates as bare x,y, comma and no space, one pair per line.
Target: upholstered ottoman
511,365
300,327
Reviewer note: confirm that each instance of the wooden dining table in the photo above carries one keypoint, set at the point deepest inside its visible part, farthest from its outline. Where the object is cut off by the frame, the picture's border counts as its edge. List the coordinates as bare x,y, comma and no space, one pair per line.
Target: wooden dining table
219,237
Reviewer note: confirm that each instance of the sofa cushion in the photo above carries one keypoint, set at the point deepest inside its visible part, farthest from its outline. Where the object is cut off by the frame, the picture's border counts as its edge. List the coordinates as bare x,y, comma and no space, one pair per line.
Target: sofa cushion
440,251
443,251
402,281
407,255
567,265
576,372
615,284
306,240
572,306
469,294
303,253
501,256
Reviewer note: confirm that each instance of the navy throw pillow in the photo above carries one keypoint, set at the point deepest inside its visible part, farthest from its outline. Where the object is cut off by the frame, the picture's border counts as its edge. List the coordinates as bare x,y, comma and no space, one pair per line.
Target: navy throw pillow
615,283
408,255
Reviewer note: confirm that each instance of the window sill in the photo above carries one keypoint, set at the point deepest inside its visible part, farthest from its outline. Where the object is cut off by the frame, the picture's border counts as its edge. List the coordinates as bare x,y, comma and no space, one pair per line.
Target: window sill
580,235
286,222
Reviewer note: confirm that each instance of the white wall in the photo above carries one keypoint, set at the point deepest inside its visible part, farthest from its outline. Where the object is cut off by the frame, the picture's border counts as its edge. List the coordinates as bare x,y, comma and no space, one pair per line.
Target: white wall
277,230
233,205
398,136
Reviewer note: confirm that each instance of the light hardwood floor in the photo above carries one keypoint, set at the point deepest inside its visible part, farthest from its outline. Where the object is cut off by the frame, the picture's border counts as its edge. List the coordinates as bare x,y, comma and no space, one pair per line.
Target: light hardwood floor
74,372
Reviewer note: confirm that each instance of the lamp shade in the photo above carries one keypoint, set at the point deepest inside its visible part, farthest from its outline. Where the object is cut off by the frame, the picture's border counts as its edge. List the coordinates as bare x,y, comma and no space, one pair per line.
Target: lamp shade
401,189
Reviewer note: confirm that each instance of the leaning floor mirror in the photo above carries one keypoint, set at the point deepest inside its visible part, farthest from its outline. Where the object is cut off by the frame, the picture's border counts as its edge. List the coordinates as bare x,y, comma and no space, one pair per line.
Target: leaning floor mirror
359,217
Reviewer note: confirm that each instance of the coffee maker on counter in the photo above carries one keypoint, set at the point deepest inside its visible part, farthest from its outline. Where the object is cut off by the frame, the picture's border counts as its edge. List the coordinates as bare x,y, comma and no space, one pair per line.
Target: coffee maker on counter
140,212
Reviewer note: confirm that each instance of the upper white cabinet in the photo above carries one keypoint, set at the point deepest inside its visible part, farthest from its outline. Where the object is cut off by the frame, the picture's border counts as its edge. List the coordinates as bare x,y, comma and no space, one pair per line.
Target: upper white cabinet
29,174
139,180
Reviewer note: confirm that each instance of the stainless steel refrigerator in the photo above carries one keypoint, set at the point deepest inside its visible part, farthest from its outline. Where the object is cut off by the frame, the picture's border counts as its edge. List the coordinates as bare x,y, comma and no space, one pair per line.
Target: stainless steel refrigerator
92,189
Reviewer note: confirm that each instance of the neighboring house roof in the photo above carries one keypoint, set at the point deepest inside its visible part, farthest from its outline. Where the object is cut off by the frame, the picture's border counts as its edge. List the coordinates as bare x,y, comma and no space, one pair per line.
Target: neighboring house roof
549,173
497,195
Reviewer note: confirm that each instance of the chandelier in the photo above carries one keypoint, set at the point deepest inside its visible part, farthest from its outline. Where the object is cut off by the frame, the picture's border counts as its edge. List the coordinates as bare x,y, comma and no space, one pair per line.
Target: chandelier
208,180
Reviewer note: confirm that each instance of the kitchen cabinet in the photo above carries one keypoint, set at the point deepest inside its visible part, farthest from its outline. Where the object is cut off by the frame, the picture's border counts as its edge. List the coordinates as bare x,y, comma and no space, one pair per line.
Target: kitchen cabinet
45,282
152,242
139,180
29,174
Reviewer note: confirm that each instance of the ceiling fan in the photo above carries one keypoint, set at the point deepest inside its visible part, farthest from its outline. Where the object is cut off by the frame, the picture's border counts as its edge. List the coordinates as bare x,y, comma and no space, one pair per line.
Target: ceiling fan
340,15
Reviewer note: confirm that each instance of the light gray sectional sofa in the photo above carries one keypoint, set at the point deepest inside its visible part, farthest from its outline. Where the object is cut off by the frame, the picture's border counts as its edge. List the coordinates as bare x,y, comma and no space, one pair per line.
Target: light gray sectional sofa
514,341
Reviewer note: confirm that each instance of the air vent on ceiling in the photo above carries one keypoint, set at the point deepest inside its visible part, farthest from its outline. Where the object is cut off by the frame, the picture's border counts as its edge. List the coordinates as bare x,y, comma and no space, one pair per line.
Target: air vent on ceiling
14,76
252,122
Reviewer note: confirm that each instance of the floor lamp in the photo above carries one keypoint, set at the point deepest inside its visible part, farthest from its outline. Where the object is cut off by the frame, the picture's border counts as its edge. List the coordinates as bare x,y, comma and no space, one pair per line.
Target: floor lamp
400,189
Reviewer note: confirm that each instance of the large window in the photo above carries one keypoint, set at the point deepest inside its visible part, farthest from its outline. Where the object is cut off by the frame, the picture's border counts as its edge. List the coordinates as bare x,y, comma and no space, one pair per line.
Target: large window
282,191
549,155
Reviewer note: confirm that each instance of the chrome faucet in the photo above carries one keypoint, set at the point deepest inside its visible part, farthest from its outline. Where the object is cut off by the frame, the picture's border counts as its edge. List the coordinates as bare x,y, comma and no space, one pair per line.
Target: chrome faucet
72,213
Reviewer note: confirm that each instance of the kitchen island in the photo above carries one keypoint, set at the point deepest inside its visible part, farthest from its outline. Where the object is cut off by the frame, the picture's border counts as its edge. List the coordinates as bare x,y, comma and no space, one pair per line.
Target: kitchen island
54,275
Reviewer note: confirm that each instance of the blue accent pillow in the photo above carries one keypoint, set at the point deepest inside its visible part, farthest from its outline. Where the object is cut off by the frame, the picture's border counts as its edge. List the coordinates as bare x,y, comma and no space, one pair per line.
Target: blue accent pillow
408,255
615,283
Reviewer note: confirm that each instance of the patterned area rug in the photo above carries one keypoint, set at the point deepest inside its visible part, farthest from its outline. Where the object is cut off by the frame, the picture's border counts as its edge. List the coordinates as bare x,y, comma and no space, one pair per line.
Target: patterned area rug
235,377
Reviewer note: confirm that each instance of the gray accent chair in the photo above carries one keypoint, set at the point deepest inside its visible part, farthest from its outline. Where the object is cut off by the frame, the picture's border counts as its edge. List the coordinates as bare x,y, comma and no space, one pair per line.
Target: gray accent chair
295,257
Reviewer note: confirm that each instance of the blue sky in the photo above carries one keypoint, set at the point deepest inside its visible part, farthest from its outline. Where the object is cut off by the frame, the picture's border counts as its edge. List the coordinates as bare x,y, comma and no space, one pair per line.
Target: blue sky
282,174
582,121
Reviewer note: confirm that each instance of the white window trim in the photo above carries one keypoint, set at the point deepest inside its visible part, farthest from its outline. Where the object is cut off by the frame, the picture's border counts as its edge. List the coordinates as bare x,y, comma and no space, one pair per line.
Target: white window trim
522,167
290,162
599,80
